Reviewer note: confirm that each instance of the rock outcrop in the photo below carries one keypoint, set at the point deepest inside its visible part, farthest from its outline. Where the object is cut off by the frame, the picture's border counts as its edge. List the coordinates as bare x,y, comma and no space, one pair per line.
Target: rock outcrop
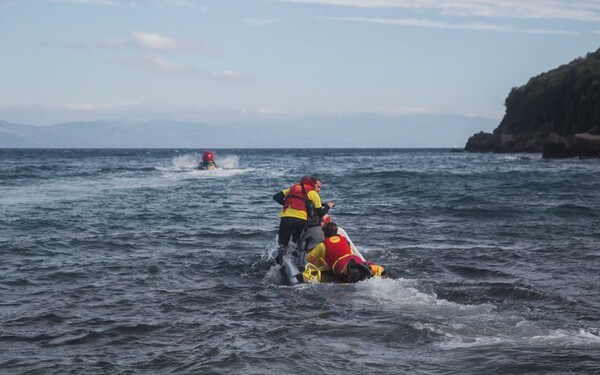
583,145
556,113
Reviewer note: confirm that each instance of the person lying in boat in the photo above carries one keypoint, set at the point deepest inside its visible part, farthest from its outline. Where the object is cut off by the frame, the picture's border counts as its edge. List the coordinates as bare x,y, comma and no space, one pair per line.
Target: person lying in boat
208,161
336,253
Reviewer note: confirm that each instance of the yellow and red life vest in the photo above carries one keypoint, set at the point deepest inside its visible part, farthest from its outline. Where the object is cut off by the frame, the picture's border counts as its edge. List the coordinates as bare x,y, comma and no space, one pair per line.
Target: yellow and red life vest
338,253
298,195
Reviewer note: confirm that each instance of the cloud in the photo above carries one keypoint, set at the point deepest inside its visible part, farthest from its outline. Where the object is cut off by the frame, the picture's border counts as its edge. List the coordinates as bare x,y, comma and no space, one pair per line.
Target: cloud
154,42
158,3
140,110
143,41
91,107
181,4
51,113
479,26
152,63
404,111
582,11
85,2
261,22
229,75
135,110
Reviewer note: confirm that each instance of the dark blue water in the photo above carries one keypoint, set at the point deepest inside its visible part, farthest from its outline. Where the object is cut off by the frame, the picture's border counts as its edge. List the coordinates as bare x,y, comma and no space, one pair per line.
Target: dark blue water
132,261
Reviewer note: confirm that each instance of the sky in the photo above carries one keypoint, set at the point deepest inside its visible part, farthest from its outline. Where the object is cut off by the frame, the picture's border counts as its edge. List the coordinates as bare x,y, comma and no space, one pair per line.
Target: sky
218,61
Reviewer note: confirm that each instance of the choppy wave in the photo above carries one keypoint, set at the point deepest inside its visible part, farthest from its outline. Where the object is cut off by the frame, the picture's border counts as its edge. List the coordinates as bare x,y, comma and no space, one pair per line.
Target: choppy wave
135,261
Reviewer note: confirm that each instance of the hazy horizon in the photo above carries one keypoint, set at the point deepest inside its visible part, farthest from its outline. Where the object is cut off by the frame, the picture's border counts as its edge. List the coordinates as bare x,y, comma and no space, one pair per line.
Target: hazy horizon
224,62
366,131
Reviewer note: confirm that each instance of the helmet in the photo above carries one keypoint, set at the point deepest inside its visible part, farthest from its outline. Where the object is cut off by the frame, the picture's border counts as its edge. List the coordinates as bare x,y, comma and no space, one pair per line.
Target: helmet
207,156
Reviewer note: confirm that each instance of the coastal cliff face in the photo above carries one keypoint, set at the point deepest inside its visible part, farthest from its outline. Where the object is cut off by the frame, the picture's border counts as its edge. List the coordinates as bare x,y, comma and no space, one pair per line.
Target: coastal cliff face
556,113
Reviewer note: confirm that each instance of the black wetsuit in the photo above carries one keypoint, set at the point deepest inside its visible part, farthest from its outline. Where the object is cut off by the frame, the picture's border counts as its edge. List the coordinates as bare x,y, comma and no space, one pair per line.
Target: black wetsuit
291,227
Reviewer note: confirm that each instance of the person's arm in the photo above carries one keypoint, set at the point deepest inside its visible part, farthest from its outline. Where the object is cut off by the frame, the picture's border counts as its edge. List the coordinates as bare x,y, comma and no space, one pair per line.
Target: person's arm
315,254
279,198
322,211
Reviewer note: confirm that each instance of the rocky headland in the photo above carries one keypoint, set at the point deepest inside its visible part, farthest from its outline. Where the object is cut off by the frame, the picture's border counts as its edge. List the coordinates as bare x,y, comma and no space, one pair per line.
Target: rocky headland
556,113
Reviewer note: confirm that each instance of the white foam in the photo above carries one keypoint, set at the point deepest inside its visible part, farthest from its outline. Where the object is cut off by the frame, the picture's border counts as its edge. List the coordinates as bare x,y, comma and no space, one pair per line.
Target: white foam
181,162
456,325
218,173
186,166
71,190
273,276
228,162
559,338
187,161
403,293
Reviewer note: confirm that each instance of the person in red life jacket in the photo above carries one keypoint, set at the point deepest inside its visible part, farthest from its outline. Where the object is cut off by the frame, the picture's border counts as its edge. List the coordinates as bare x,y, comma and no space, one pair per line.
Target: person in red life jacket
208,161
336,252
299,201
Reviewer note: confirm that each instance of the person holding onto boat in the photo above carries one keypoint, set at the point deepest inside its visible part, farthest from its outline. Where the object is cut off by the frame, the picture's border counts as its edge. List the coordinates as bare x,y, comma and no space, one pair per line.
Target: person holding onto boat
313,234
299,202
208,161
336,253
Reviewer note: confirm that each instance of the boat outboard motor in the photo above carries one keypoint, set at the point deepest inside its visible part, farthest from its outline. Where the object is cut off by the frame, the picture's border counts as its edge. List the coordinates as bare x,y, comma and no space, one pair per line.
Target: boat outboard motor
301,259
290,272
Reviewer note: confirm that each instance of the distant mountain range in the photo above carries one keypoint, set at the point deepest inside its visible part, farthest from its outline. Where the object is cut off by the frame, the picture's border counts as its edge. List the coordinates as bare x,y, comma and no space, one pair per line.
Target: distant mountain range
361,131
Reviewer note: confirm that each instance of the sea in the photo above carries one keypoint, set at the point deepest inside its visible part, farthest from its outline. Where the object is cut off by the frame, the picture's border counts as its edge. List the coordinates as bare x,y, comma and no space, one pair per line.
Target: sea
133,261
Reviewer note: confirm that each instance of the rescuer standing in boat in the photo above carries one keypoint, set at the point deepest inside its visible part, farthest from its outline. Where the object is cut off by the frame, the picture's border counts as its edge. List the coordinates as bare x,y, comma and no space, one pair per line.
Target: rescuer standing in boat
299,201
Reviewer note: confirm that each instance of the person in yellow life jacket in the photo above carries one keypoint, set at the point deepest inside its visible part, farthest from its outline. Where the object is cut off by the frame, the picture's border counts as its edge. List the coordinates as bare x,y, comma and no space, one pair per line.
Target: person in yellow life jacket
208,161
336,252
299,201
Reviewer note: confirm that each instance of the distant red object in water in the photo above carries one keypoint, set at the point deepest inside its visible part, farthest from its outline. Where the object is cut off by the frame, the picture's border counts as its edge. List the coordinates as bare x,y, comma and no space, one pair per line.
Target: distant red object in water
208,161
208,156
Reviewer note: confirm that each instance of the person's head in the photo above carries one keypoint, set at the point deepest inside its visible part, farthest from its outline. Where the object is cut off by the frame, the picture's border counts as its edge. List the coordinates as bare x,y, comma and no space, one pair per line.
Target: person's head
358,271
354,276
207,157
307,181
330,229
318,183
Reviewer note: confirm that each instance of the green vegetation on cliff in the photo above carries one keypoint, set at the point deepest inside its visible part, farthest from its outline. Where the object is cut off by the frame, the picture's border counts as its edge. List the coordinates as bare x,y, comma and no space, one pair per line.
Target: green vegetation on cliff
557,113
565,100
